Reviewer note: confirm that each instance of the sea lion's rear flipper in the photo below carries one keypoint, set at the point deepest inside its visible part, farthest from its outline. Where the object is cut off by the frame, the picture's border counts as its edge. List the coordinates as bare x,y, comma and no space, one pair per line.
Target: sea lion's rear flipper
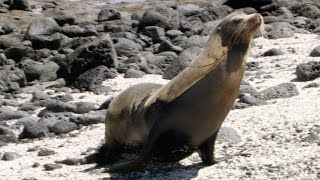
207,151
144,156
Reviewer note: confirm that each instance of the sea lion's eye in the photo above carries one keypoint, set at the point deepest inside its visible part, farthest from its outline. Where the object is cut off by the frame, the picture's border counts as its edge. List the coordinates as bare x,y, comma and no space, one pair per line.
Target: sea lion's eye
219,28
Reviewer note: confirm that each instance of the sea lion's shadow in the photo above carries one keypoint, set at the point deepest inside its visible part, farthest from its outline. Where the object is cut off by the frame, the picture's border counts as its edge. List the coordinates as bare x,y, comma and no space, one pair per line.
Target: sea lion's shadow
158,171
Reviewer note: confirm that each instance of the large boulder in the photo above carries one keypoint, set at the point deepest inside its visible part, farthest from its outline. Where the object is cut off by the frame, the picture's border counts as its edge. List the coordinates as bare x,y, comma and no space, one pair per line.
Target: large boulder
42,26
308,71
108,13
88,56
46,71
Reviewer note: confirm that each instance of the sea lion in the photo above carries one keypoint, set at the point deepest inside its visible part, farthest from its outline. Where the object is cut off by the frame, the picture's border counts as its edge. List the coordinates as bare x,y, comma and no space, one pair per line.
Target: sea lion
174,120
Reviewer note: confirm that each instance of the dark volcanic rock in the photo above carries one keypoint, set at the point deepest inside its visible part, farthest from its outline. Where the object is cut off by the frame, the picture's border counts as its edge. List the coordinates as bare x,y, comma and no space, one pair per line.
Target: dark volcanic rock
273,52
70,161
38,95
315,52
43,41
63,127
7,136
247,89
94,77
156,33
88,56
11,79
173,33
191,25
284,90
42,26
48,119
19,5
34,130
43,72
168,46
10,156
7,114
108,13
50,167
19,53
64,19
308,71
166,18
59,106
257,4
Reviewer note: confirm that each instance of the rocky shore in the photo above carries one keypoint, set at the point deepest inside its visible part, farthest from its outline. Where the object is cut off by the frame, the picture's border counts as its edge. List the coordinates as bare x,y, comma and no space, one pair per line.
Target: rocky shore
61,62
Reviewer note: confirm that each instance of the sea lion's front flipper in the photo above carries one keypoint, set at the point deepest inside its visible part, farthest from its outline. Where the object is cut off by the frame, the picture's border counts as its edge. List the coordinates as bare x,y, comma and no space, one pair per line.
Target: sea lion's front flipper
207,151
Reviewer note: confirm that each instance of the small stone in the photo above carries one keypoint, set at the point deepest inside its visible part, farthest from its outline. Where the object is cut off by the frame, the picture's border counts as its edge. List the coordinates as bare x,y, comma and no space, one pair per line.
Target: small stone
70,161
36,164
308,71
315,52
273,52
10,156
50,167
45,152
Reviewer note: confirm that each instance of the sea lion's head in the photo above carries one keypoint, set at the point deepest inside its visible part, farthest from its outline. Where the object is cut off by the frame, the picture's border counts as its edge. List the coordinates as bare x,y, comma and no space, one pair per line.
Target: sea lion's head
238,28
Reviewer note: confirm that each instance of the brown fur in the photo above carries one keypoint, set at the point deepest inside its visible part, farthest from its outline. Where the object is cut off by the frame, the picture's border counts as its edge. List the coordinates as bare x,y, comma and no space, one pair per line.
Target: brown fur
192,106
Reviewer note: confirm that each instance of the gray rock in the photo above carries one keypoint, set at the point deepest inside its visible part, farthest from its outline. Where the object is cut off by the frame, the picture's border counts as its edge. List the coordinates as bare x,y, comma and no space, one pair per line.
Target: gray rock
247,89
188,9
100,89
306,10
10,156
108,13
157,34
90,118
11,79
208,27
173,33
64,19
133,73
273,52
8,41
281,30
7,136
84,107
191,25
308,71
257,4
76,31
50,167
64,98
284,90
168,46
59,106
126,47
195,40
42,26
43,72
312,85
252,100
49,119
46,152
70,161
34,130
38,95
283,12
215,12
8,114
315,52
63,127
230,135
94,77
166,18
